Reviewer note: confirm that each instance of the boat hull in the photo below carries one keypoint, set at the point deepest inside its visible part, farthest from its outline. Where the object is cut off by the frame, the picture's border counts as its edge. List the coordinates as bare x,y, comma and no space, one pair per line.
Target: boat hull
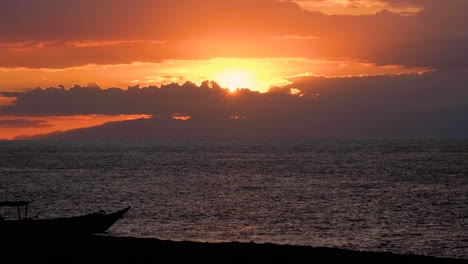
77,225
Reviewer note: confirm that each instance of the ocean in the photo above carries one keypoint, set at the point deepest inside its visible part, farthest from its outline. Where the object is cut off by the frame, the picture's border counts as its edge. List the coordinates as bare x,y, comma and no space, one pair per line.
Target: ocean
403,196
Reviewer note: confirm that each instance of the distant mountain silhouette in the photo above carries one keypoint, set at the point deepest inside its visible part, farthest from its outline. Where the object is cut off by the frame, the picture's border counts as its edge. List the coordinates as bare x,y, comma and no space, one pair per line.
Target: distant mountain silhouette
439,124
168,128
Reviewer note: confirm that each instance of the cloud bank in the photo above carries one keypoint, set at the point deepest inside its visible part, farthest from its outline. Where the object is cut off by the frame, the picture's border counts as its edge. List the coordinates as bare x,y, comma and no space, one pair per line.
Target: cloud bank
410,105
208,100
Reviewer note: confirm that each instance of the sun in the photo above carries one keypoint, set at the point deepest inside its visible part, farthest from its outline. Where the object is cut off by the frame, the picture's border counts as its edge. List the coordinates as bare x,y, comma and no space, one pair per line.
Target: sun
236,78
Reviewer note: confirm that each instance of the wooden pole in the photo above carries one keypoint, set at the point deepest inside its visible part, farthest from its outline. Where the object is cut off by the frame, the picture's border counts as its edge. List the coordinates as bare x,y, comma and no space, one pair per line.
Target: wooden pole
19,212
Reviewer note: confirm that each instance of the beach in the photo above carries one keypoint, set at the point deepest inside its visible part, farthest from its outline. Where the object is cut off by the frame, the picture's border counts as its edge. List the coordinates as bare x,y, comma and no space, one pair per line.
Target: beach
128,249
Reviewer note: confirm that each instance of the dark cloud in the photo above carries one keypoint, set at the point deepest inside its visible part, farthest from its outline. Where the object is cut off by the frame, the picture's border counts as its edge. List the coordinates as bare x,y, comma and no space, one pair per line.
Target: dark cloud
407,92
24,20
433,104
433,37
205,101
427,4
24,123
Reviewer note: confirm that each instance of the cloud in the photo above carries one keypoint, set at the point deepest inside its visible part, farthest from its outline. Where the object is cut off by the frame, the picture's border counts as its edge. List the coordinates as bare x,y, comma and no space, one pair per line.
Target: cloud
408,105
170,19
65,54
24,123
430,91
294,37
208,100
357,7
110,31
432,104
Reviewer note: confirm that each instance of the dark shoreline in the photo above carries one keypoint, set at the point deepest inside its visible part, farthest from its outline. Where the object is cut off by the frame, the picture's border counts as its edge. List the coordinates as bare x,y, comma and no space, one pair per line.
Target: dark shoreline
105,248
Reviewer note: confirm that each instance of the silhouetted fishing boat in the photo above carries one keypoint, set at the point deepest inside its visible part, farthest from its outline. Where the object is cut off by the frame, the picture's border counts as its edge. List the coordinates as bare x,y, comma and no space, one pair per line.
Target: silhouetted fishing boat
97,222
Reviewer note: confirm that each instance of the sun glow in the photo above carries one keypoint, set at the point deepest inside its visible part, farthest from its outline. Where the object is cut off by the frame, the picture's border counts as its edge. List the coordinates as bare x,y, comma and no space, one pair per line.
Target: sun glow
257,74
236,78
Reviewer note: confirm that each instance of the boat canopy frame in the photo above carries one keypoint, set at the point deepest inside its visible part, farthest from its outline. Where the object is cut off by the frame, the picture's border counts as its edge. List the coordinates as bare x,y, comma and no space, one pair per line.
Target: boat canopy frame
17,204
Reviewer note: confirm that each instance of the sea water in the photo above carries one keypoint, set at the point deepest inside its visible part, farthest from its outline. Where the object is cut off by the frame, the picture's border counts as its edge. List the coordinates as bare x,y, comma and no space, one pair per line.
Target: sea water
402,196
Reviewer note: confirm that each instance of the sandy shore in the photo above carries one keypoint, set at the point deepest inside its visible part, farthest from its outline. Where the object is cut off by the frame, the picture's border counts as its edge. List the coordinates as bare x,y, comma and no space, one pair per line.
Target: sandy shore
103,248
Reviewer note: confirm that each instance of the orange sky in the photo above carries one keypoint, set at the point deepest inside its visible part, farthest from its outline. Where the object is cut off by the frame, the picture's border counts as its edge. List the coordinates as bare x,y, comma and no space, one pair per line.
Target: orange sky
31,125
253,44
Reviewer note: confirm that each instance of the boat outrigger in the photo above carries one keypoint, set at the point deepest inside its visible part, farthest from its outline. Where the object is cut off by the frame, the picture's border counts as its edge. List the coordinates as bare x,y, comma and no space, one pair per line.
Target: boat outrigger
98,222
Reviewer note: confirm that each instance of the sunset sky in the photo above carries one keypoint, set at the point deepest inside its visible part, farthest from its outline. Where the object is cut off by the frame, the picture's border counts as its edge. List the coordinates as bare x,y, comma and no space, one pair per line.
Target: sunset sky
329,68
